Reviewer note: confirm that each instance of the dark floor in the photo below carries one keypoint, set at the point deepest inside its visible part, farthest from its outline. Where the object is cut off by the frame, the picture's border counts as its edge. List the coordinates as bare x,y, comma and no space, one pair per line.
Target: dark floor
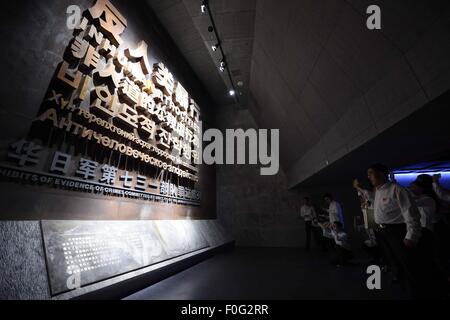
269,273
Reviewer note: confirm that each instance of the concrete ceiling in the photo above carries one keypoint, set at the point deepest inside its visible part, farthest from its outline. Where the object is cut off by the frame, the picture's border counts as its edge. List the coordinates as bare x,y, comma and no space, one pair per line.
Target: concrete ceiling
188,27
314,70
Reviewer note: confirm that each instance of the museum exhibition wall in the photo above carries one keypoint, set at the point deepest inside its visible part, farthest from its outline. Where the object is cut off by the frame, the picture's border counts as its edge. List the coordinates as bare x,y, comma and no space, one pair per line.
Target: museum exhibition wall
101,125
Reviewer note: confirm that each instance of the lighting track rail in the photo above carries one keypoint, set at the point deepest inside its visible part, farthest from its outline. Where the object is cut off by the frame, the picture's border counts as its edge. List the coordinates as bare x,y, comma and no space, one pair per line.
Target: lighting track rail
205,8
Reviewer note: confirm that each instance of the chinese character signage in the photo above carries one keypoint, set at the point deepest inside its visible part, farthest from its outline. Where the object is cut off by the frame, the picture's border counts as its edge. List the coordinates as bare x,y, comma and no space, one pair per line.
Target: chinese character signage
111,123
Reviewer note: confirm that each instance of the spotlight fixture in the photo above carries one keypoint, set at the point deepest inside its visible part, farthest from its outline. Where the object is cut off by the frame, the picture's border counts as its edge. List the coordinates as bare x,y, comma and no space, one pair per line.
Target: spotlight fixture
204,7
223,65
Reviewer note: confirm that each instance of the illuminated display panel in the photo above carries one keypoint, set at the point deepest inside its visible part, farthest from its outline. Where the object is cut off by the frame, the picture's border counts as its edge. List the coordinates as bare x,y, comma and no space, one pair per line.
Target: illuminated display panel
115,125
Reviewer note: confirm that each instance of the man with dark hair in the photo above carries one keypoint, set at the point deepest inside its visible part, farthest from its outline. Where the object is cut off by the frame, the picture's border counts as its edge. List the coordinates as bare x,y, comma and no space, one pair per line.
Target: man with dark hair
381,168
308,214
334,209
399,228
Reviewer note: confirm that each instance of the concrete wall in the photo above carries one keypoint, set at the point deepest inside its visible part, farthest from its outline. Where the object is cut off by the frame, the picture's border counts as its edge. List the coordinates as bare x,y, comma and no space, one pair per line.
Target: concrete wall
258,210
261,210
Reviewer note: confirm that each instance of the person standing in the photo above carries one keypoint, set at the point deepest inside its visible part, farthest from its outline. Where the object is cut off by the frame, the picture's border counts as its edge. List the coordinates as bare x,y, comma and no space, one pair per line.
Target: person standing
442,193
426,201
308,214
428,204
399,228
334,209
441,226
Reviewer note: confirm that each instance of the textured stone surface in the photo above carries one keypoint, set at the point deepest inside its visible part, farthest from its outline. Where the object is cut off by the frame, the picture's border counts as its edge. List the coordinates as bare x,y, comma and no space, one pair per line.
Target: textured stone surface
258,210
90,251
213,232
23,272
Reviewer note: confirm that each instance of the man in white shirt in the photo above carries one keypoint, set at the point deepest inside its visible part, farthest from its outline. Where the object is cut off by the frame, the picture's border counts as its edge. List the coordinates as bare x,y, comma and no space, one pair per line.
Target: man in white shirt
334,209
399,229
442,193
425,198
393,205
308,214
427,209
443,214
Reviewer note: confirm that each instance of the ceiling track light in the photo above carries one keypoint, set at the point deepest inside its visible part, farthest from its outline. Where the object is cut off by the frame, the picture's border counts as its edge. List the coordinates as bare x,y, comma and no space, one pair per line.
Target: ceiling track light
223,66
204,6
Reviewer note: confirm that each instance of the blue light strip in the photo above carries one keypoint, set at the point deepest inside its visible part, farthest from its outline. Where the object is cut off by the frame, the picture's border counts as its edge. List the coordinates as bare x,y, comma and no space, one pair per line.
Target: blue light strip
406,178
431,173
